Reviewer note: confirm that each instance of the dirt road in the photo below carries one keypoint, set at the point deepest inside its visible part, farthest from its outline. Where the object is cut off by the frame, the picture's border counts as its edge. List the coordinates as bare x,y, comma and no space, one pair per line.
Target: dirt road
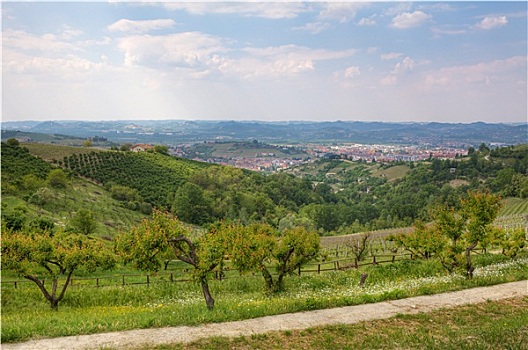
343,315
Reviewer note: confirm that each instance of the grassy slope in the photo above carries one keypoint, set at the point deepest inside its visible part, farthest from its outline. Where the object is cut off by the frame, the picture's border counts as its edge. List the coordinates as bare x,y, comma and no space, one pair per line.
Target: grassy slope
58,152
80,194
392,173
62,204
489,325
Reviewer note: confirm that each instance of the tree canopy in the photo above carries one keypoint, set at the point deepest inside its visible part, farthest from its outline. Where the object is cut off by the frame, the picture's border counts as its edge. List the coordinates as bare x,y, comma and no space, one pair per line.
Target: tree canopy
40,256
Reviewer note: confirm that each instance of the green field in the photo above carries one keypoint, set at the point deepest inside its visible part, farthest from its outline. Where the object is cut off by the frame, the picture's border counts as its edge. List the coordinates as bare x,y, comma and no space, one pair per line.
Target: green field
489,325
392,173
58,152
87,310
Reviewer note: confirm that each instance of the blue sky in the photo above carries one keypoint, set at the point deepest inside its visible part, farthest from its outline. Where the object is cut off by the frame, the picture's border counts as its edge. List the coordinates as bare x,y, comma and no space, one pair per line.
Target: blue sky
361,61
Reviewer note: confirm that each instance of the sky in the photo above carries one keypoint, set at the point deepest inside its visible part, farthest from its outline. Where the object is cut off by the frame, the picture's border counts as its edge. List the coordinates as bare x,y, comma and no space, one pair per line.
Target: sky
315,61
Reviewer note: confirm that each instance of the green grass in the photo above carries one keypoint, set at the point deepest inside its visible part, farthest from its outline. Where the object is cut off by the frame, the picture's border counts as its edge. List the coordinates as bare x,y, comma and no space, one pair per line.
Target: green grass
58,152
392,173
489,325
25,314
110,215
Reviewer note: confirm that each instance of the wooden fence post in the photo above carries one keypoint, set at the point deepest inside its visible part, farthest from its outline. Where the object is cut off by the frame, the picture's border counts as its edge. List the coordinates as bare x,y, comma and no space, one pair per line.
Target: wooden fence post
171,277
318,269
148,280
123,279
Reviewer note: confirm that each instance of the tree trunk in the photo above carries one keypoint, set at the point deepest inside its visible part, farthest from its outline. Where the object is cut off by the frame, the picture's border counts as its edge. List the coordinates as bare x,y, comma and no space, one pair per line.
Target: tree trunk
469,265
268,278
209,301
363,279
54,304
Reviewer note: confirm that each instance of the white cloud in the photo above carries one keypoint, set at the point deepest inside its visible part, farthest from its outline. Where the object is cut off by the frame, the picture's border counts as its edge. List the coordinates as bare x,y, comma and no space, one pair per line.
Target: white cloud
366,22
484,73
271,10
70,33
400,68
406,65
492,22
409,20
300,52
281,61
341,11
137,27
352,72
314,27
189,49
450,29
390,56
18,39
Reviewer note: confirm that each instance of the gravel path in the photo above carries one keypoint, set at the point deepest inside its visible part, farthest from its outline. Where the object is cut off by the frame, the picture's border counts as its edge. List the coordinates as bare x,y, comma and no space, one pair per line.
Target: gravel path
343,315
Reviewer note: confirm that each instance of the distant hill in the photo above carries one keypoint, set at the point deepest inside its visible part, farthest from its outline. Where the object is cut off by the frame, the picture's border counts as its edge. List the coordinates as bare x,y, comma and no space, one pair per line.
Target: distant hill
174,132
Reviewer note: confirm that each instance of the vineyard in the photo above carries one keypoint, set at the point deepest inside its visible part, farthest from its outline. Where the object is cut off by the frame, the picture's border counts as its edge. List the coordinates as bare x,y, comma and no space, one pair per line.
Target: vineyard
515,206
155,176
18,162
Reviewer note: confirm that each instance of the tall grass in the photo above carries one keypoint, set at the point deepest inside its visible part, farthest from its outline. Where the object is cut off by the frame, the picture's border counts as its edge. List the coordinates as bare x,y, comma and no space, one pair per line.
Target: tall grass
25,313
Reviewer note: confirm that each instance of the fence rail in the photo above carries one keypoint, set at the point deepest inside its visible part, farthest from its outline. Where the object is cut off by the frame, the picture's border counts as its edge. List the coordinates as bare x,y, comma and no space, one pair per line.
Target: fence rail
227,273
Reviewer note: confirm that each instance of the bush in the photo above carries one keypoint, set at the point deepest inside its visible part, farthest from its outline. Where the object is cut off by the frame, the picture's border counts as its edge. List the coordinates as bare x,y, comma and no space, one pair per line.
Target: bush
57,178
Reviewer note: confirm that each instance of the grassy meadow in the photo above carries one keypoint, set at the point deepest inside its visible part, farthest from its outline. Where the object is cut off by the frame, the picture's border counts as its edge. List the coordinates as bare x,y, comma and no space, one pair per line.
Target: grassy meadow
87,310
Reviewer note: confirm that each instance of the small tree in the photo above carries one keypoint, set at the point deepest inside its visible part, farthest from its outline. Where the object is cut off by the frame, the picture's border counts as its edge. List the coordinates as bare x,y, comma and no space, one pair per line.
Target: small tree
31,183
125,147
147,244
84,222
465,229
511,241
57,178
259,247
191,205
479,210
424,241
162,149
37,256
359,245
13,142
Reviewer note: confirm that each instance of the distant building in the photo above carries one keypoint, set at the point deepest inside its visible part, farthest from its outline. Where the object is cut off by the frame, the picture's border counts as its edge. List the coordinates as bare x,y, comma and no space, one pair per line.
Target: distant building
141,147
